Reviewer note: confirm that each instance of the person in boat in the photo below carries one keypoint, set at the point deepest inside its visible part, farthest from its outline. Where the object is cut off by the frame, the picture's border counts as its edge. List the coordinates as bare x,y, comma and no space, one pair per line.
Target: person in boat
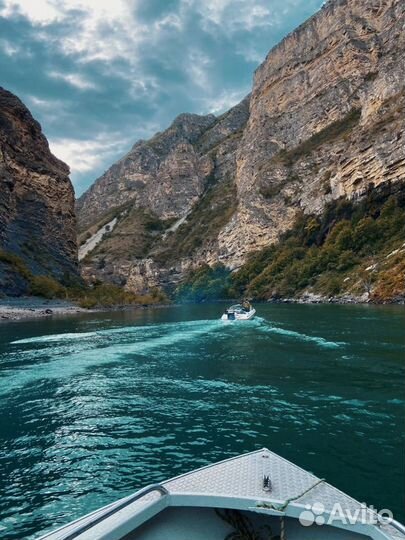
246,305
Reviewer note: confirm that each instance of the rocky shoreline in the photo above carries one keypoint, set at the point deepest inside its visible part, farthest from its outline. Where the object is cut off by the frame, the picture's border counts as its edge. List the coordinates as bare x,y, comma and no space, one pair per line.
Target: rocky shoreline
25,308
341,300
18,309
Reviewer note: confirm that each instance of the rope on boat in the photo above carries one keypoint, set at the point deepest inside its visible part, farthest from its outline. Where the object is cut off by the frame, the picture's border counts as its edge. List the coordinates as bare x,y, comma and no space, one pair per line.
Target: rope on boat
243,527
282,507
282,529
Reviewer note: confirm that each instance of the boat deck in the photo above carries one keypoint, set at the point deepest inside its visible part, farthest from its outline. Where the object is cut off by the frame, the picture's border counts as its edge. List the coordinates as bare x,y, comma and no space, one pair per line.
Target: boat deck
204,524
235,483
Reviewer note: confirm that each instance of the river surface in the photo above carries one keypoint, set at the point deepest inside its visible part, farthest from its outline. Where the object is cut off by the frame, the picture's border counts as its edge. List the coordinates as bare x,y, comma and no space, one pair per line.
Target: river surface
94,407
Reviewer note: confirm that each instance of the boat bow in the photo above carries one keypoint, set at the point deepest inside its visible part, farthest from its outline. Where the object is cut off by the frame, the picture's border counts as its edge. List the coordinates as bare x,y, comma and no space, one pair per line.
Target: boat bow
261,482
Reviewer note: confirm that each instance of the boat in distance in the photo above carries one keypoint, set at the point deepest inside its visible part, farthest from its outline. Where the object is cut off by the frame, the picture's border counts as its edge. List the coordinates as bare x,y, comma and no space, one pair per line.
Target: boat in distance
254,496
239,312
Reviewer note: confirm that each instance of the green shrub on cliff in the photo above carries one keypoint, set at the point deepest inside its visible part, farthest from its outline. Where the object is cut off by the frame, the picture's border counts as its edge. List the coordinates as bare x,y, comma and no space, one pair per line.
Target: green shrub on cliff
16,263
320,252
351,246
206,219
109,295
329,134
205,283
47,287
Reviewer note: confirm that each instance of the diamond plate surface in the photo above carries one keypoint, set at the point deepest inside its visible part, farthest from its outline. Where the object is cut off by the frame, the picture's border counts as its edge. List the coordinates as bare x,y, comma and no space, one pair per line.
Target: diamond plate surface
242,478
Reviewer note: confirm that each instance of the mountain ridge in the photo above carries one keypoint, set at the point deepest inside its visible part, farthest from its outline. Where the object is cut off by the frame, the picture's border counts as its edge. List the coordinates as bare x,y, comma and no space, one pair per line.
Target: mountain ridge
325,120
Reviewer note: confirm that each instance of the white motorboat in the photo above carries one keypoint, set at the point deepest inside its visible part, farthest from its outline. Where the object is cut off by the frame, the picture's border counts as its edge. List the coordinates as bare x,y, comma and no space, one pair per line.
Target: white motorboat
255,496
239,312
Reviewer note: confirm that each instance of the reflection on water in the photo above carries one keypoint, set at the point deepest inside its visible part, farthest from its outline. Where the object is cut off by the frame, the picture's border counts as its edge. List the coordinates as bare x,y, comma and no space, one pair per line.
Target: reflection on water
94,407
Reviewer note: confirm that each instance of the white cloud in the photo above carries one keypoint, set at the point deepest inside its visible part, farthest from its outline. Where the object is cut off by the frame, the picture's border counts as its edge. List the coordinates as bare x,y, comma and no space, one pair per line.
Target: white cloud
198,65
250,54
223,102
232,15
74,79
87,155
9,48
212,10
45,104
48,11
38,11
105,30
169,21
109,30
51,111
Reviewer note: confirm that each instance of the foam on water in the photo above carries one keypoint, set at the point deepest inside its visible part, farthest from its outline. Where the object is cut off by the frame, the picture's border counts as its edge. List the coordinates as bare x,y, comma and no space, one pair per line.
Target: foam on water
72,336
199,326
54,337
265,326
92,414
82,356
74,352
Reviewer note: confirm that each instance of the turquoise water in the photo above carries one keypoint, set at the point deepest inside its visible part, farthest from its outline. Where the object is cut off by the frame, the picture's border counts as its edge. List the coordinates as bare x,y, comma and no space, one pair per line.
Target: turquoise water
94,407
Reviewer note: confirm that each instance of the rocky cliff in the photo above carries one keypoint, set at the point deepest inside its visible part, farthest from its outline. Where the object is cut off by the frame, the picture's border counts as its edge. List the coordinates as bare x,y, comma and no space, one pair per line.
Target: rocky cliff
152,214
325,120
37,220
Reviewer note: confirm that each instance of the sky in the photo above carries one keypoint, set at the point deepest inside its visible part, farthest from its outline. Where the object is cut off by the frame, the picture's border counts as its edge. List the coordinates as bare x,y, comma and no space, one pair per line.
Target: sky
101,74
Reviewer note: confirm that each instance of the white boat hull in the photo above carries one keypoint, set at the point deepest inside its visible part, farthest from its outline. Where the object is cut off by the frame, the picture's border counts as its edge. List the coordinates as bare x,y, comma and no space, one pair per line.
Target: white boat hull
240,316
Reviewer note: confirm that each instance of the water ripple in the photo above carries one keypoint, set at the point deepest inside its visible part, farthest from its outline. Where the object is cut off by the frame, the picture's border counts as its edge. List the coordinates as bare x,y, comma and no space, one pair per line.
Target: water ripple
90,416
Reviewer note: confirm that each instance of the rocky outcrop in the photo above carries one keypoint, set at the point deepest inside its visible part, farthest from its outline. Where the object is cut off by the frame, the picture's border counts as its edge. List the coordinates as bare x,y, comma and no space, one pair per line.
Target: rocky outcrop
167,195
338,76
326,119
165,174
37,219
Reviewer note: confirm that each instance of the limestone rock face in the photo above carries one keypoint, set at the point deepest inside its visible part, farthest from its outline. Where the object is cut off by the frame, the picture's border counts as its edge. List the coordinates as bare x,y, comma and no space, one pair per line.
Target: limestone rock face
37,218
164,174
347,59
156,192
326,118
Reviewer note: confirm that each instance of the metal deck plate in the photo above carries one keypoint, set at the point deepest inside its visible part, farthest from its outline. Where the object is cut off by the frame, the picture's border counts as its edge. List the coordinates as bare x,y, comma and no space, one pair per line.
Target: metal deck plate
242,477
239,480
